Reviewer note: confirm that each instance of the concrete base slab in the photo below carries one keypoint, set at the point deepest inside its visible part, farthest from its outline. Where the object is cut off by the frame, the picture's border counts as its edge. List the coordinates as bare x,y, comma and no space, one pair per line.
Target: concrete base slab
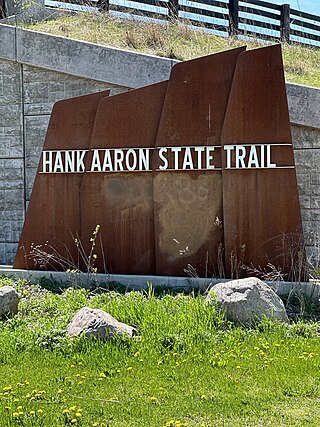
138,282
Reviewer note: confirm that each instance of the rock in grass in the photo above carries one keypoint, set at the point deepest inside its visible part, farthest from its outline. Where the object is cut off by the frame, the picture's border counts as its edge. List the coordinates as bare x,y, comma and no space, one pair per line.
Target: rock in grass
93,322
247,301
9,300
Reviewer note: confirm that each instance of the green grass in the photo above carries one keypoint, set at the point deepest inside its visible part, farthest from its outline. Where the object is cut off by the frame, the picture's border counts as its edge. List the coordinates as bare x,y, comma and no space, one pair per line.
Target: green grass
187,367
302,64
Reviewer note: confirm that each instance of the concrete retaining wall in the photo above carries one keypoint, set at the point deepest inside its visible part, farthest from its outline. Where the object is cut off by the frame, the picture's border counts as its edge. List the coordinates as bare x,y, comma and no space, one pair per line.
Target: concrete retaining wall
38,69
304,111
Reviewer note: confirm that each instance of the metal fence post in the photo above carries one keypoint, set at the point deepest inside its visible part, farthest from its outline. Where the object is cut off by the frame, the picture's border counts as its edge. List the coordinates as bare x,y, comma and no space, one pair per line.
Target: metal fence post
233,17
285,23
103,5
173,9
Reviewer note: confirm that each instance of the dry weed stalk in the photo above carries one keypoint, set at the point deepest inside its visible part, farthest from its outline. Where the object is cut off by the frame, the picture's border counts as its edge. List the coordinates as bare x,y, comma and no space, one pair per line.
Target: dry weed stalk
48,257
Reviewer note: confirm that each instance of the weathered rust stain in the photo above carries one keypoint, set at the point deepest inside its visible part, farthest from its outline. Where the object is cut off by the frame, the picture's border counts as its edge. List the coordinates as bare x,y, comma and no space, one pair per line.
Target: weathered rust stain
188,212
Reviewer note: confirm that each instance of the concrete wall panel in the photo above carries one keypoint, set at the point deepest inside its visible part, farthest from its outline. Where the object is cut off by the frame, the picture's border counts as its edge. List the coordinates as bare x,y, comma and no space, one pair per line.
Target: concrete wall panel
304,104
8,42
42,88
118,67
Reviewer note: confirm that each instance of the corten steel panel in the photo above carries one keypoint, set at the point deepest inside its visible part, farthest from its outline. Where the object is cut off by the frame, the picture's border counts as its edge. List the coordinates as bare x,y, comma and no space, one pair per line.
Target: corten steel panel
262,221
122,203
53,214
188,204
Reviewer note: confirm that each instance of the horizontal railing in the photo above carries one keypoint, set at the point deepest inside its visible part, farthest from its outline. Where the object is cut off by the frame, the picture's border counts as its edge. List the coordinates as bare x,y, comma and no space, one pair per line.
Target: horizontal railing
241,18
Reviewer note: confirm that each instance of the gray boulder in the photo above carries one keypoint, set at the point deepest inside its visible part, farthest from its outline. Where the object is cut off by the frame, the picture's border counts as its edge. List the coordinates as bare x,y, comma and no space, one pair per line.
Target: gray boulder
93,322
247,301
9,300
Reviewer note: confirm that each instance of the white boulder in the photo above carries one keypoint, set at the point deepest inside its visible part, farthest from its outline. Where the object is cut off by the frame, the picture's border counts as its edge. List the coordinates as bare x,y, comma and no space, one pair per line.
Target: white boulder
9,300
97,323
247,301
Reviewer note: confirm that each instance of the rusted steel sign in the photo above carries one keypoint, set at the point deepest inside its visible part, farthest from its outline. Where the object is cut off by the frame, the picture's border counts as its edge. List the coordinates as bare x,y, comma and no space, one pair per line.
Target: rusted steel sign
195,172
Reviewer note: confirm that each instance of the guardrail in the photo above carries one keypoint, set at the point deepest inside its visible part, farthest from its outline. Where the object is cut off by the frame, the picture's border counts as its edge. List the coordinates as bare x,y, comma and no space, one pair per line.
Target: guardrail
239,18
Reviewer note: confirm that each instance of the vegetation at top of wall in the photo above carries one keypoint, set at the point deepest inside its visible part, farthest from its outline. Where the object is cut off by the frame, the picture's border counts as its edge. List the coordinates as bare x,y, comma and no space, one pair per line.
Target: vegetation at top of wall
187,367
173,40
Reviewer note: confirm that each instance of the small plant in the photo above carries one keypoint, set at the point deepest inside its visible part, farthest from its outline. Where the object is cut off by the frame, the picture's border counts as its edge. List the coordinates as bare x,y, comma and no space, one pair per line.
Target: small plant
237,263
270,273
314,256
48,257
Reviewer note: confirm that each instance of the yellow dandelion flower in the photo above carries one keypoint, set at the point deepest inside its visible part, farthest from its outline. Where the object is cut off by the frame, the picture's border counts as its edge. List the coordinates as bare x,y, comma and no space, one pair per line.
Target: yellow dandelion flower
74,421
40,411
78,414
32,412
15,414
